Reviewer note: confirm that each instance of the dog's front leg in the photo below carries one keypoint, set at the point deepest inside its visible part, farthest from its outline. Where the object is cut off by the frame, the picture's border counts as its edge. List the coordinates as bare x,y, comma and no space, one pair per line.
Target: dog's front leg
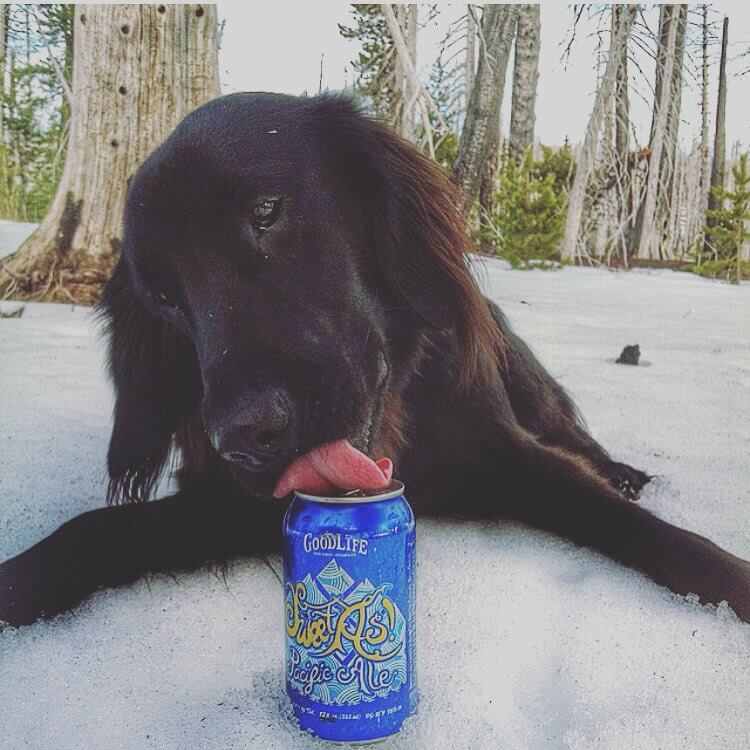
563,493
112,546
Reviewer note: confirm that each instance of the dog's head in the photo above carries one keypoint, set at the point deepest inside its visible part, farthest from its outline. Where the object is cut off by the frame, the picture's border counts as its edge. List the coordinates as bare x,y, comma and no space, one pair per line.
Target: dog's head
284,262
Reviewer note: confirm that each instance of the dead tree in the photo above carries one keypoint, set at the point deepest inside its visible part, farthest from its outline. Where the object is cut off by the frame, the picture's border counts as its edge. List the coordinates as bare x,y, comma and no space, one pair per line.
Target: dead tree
4,11
478,146
718,167
411,89
471,53
669,205
623,14
489,176
705,169
647,237
570,248
3,47
137,71
407,64
525,78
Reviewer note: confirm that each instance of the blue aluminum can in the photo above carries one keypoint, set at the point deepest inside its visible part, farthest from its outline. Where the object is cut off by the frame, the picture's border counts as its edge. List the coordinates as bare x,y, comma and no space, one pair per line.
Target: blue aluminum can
349,601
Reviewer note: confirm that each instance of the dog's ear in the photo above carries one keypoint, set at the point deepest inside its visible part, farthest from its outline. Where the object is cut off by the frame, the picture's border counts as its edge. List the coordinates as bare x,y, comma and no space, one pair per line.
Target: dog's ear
419,233
155,374
420,236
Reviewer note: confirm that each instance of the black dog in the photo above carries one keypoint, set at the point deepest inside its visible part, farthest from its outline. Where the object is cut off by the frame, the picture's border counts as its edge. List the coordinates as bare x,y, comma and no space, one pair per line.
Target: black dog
292,274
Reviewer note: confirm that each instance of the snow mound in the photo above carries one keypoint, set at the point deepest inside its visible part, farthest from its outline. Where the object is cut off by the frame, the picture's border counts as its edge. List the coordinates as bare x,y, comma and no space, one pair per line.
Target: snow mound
525,641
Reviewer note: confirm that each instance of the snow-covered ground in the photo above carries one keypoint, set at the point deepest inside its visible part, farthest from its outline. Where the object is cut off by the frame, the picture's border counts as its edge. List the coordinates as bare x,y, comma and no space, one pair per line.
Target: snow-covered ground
12,234
525,641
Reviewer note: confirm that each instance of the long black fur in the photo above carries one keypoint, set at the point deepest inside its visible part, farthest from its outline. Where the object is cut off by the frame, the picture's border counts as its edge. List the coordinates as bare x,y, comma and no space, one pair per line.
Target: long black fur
356,306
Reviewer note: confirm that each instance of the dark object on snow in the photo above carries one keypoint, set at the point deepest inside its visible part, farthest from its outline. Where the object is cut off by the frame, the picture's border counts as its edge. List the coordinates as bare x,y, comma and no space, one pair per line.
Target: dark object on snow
630,355
291,275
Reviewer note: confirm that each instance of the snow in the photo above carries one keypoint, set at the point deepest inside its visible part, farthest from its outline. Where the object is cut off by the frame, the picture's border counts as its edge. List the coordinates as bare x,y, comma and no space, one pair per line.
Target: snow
525,641
12,234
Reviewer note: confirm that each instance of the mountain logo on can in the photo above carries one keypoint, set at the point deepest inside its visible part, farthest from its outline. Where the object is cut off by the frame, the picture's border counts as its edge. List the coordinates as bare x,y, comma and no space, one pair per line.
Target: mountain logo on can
345,639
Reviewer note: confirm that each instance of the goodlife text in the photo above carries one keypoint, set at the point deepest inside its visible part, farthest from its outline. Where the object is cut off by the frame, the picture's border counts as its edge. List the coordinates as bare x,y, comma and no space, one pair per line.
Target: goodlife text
335,543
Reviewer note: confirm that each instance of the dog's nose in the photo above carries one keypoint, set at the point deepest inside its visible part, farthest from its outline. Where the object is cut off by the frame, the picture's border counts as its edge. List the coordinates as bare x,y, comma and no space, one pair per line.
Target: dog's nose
259,434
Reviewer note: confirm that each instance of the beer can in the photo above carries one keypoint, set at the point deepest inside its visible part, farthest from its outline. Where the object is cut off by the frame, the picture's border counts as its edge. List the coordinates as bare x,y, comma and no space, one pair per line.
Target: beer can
349,604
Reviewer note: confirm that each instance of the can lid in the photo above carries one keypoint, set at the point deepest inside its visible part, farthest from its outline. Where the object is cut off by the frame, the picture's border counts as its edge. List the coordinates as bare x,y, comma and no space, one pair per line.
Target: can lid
394,489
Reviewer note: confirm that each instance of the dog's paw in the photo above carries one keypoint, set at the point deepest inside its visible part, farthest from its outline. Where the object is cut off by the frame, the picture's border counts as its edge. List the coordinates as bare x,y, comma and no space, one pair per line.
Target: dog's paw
17,606
627,480
32,587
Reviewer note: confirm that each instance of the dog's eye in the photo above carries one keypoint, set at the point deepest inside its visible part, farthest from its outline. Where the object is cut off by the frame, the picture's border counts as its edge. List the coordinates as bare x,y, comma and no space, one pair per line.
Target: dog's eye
165,300
266,212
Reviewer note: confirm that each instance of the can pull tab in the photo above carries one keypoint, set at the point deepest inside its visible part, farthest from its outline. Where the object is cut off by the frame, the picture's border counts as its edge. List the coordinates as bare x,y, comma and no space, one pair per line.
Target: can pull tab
385,465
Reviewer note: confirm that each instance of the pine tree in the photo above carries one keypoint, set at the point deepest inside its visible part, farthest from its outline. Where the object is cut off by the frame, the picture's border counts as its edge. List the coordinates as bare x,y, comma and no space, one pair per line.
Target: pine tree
528,220
560,163
377,77
728,231
35,50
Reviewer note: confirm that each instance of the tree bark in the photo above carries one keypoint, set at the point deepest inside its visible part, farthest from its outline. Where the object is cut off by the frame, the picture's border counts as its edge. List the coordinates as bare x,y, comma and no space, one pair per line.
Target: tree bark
397,87
525,78
488,183
411,91
718,168
137,71
668,203
4,192
704,106
17,176
3,47
477,150
622,14
471,53
426,102
569,247
67,69
647,236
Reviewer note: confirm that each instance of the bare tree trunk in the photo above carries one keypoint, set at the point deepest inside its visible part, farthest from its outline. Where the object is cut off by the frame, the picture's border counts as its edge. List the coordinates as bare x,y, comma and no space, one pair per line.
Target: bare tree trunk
569,246
17,178
624,183
648,234
494,151
397,104
137,71
3,46
704,107
623,14
476,154
668,204
66,74
718,168
421,95
4,203
471,53
405,88
525,78
664,17
411,91
692,201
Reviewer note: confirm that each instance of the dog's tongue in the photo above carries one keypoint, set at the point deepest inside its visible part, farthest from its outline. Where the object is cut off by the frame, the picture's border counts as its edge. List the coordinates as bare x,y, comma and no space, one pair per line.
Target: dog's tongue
334,466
